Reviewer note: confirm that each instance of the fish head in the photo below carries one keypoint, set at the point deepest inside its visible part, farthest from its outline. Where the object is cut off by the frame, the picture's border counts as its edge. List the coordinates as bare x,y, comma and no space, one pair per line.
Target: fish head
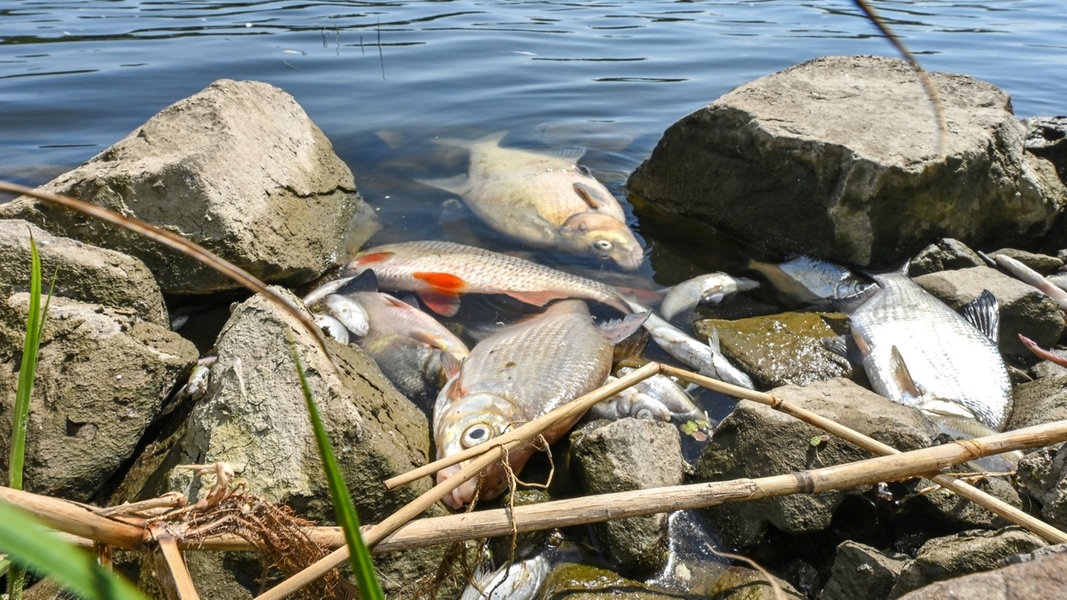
604,237
468,421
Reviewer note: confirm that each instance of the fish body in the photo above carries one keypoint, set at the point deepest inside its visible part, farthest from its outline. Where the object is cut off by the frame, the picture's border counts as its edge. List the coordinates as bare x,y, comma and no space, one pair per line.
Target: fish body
440,272
710,287
409,346
809,281
919,352
332,327
517,374
657,398
514,581
544,200
1027,275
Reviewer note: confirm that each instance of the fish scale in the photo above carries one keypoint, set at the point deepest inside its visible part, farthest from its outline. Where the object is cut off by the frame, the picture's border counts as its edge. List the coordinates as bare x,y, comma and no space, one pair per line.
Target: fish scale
951,362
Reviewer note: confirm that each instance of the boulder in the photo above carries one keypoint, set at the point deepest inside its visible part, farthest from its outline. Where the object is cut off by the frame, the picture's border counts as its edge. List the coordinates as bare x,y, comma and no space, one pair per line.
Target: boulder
1023,309
757,441
1047,137
1043,477
103,374
944,255
82,272
1039,577
838,158
254,417
860,571
1042,400
238,168
961,554
630,454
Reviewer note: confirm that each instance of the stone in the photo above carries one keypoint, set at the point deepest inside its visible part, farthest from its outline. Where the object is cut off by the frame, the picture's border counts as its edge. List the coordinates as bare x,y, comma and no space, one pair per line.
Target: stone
1042,475
1047,137
103,374
783,348
860,571
1023,309
1042,263
961,554
838,158
82,272
254,416
757,441
630,454
944,255
1043,400
1042,577
238,168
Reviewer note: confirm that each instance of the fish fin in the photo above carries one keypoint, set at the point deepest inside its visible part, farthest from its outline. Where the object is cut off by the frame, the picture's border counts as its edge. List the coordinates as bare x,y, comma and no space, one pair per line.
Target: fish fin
363,260
450,365
446,305
367,281
617,330
536,298
492,138
568,152
837,344
441,282
457,184
984,313
590,195
901,375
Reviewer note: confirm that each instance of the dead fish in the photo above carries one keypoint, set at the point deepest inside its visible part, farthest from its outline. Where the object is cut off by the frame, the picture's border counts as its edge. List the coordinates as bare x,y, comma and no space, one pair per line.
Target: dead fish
332,327
658,398
710,287
705,357
514,581
543,200
440,272
809,281
517,374
919,352
1031,277
350,313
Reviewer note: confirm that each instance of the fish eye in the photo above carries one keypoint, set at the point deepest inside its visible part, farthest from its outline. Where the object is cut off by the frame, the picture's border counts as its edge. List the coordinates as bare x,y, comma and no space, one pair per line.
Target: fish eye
475,434
584,170
602,245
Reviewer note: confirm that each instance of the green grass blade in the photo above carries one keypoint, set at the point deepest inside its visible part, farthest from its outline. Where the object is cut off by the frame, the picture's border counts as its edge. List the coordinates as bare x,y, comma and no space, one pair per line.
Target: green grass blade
27,371
30,544
358,553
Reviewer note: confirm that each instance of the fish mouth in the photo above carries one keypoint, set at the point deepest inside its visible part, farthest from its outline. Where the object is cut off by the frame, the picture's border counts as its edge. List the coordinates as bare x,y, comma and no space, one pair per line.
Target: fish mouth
630,260
462,495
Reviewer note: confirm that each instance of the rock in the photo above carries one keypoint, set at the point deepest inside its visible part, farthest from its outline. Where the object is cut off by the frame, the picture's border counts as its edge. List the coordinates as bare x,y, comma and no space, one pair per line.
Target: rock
82,272
861,571
937,504
1042,476
572,581
757,441
237,168
1042,263
630,454
102,376
781,349
945,255
1023,309
1043,577
1047,137
836,158
961,554
254,416
1043,400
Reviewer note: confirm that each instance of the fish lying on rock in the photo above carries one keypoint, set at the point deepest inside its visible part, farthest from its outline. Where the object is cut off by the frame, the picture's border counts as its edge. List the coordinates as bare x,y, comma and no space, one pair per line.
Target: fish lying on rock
657,398
517,374
440,272
808,281
710,287
919,352
545,200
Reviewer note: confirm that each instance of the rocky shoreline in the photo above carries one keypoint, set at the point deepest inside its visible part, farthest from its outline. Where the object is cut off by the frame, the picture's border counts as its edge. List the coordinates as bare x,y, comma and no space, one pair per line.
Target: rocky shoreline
835,158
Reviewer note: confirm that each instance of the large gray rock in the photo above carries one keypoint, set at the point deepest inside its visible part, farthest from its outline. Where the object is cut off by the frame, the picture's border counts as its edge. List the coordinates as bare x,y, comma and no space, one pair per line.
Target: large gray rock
238,168
630,454
254,416
1042,400
860,571
102,376
837,158
1023,309
962,554
1043,476
757,441
1042,577
82,272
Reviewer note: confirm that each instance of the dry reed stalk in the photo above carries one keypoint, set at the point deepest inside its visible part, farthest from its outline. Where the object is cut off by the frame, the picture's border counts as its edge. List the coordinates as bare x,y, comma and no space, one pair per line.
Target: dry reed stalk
179,580
76,519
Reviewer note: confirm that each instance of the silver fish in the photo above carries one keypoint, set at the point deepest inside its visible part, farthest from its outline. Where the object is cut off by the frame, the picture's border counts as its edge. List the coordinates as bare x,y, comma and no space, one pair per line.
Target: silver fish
710,287
349,312
919,352
440,272
543,200
332,327
518,581
809,281
706,357
519,373
1031,277
658,398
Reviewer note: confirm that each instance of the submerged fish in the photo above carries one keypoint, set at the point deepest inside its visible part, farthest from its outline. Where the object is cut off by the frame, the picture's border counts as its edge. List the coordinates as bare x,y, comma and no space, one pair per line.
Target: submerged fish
543,200
809,281
919,352
710,287
439,272
515,375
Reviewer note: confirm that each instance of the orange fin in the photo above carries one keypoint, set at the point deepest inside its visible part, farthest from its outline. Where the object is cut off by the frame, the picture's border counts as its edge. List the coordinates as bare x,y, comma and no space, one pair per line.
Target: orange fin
372,258
441,303
441,282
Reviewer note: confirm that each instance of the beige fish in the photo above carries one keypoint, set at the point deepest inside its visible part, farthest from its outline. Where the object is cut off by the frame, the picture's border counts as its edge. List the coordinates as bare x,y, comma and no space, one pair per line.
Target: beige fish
440,272
545,200
515,375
